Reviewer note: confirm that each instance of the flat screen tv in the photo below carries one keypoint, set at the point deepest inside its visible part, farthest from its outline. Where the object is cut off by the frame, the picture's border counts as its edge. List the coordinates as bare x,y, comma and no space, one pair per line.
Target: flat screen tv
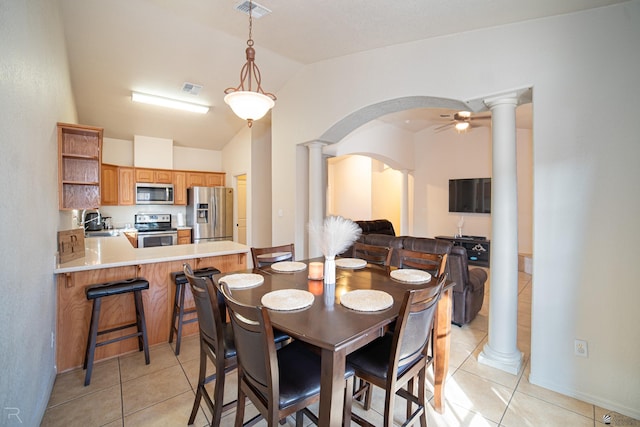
471,195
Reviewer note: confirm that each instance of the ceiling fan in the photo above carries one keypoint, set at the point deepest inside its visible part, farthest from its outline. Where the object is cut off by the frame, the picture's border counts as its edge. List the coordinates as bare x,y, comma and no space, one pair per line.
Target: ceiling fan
462,121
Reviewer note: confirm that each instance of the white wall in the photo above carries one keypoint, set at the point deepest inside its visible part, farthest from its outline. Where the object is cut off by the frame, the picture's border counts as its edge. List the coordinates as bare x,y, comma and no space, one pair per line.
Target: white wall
117,152
349,189
196,159
583,69
120,152
36,93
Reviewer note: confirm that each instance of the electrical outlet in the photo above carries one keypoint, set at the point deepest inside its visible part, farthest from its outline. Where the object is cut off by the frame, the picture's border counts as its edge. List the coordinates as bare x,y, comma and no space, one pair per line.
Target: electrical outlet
580,348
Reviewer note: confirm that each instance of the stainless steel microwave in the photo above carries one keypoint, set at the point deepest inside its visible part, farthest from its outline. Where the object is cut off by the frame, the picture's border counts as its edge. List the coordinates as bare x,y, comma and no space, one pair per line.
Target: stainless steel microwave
154,194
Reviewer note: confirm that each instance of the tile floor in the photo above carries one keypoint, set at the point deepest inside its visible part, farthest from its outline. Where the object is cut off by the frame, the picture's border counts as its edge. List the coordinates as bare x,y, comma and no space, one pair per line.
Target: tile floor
126,392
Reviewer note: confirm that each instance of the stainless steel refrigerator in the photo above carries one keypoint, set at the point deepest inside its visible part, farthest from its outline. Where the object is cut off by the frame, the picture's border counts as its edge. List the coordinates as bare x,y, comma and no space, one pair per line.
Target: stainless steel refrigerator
210,213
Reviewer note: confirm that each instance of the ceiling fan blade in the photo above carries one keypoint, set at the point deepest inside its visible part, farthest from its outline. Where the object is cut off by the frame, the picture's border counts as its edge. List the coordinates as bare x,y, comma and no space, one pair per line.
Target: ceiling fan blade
480,118
443,127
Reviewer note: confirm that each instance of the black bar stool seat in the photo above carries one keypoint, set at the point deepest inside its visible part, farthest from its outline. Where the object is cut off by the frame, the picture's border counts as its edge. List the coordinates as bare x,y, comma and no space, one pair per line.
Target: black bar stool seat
179,312
95,293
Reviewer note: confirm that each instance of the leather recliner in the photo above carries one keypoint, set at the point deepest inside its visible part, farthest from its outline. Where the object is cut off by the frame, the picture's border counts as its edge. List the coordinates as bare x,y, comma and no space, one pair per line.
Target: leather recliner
468,292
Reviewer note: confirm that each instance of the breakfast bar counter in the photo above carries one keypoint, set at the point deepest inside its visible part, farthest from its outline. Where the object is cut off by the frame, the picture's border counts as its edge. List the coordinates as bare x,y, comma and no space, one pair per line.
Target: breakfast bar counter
113,258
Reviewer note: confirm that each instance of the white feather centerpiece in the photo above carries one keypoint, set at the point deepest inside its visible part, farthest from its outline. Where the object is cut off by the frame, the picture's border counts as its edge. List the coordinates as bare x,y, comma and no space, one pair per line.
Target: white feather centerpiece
334,237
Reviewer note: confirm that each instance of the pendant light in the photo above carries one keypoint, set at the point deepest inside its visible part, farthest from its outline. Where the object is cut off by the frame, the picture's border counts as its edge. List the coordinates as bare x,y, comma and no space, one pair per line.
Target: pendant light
248,101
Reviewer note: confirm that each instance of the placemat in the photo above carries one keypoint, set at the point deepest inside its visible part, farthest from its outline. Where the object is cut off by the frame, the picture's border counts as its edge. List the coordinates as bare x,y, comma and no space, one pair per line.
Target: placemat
242,280
288,266
287,299
353,263
366,300
410,275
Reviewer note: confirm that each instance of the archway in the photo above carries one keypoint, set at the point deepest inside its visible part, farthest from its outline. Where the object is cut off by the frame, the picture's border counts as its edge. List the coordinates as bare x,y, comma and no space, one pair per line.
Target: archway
501,350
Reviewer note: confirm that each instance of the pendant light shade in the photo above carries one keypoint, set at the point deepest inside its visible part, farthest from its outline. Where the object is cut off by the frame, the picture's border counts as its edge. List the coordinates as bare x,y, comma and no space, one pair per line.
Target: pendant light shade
249,105
248,100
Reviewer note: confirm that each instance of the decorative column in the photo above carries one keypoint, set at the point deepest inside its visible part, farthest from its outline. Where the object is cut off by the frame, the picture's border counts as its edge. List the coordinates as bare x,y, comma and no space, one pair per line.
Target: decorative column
501,350
404,204
316,192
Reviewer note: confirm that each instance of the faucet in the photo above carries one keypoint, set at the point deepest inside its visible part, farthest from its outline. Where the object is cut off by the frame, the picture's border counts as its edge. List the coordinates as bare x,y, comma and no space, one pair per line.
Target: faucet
84,222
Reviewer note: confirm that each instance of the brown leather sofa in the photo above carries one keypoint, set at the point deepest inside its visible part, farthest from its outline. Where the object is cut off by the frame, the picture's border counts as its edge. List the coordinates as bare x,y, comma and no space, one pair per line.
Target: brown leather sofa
468,292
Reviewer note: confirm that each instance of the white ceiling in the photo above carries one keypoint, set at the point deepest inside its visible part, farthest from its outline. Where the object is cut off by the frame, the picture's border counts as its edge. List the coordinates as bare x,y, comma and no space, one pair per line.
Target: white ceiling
154,46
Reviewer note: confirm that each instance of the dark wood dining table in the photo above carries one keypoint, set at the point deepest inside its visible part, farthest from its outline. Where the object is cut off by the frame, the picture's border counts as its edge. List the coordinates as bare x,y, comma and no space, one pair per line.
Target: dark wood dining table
338,331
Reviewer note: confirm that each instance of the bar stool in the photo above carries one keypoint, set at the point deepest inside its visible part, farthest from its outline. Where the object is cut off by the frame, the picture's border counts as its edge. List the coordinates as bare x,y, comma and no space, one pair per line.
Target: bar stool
179,312
96,293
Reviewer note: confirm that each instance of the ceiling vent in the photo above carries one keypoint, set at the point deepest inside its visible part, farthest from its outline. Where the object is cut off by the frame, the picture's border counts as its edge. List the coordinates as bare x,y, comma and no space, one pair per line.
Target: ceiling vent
191,88
258,10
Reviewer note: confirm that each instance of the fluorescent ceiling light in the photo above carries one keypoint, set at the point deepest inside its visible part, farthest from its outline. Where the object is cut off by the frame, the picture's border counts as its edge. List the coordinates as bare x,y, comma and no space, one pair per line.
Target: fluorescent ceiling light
167,102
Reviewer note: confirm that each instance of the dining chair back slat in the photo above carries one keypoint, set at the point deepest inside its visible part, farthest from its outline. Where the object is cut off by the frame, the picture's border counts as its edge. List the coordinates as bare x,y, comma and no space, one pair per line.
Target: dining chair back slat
375,255
266,256
432,263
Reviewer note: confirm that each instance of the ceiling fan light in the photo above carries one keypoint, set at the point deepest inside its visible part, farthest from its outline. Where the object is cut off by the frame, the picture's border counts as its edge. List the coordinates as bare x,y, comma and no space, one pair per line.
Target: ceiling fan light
462,126
249,105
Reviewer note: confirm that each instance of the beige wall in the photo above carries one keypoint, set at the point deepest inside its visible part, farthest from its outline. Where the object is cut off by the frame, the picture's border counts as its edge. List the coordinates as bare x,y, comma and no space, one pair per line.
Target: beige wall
36,93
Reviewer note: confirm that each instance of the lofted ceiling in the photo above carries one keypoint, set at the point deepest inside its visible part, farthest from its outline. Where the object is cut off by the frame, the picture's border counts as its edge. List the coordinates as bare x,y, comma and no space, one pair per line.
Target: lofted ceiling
155,46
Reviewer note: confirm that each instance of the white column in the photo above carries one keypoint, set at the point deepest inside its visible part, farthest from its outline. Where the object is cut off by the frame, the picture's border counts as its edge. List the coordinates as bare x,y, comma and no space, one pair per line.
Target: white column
404,204
316,192
501,350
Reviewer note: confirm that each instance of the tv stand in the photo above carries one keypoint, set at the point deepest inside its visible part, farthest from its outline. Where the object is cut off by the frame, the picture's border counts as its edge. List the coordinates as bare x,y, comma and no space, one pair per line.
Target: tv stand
478,248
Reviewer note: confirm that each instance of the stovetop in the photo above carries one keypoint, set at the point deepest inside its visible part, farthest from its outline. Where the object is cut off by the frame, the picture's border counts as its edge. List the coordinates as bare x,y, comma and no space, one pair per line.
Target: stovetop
153,223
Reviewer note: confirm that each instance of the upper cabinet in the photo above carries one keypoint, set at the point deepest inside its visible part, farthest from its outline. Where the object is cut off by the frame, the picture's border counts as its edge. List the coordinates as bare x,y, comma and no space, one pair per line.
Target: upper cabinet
157,176
179,188
109,186
79,166
214,179
205,179
117,185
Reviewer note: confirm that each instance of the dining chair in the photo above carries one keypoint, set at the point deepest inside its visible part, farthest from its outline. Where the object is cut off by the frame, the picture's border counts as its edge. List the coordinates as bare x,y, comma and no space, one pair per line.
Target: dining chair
375,255
269,255
435,264
394,361
216,344
279,382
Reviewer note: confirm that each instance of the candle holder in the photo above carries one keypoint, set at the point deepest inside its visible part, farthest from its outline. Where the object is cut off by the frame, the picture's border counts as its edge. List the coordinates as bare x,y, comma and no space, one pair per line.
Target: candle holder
315,271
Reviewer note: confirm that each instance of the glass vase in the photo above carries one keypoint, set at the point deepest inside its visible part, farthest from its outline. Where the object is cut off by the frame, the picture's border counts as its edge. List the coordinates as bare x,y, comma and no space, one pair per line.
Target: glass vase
329,270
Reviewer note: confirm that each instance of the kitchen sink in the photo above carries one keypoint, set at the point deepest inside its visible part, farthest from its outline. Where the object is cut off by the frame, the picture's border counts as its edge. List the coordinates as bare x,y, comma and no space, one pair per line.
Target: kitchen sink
103,233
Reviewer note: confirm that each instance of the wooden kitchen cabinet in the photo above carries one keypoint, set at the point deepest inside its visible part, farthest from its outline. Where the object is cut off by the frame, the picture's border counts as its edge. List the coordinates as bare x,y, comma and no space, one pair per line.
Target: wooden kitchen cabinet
184,236
117,186
109,185
132,237
126,186
214,179
196,179
205,179
179,188
155,176
79,166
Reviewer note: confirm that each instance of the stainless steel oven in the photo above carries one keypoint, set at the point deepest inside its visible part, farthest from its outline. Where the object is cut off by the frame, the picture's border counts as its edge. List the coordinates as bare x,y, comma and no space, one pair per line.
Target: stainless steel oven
155,230
157,238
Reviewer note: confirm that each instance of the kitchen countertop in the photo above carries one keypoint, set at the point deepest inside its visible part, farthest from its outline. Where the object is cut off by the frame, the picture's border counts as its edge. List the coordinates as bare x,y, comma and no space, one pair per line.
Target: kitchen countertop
106,252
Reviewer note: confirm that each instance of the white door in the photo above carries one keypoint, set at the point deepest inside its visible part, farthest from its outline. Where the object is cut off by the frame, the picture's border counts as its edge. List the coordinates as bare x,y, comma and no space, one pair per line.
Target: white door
242,209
